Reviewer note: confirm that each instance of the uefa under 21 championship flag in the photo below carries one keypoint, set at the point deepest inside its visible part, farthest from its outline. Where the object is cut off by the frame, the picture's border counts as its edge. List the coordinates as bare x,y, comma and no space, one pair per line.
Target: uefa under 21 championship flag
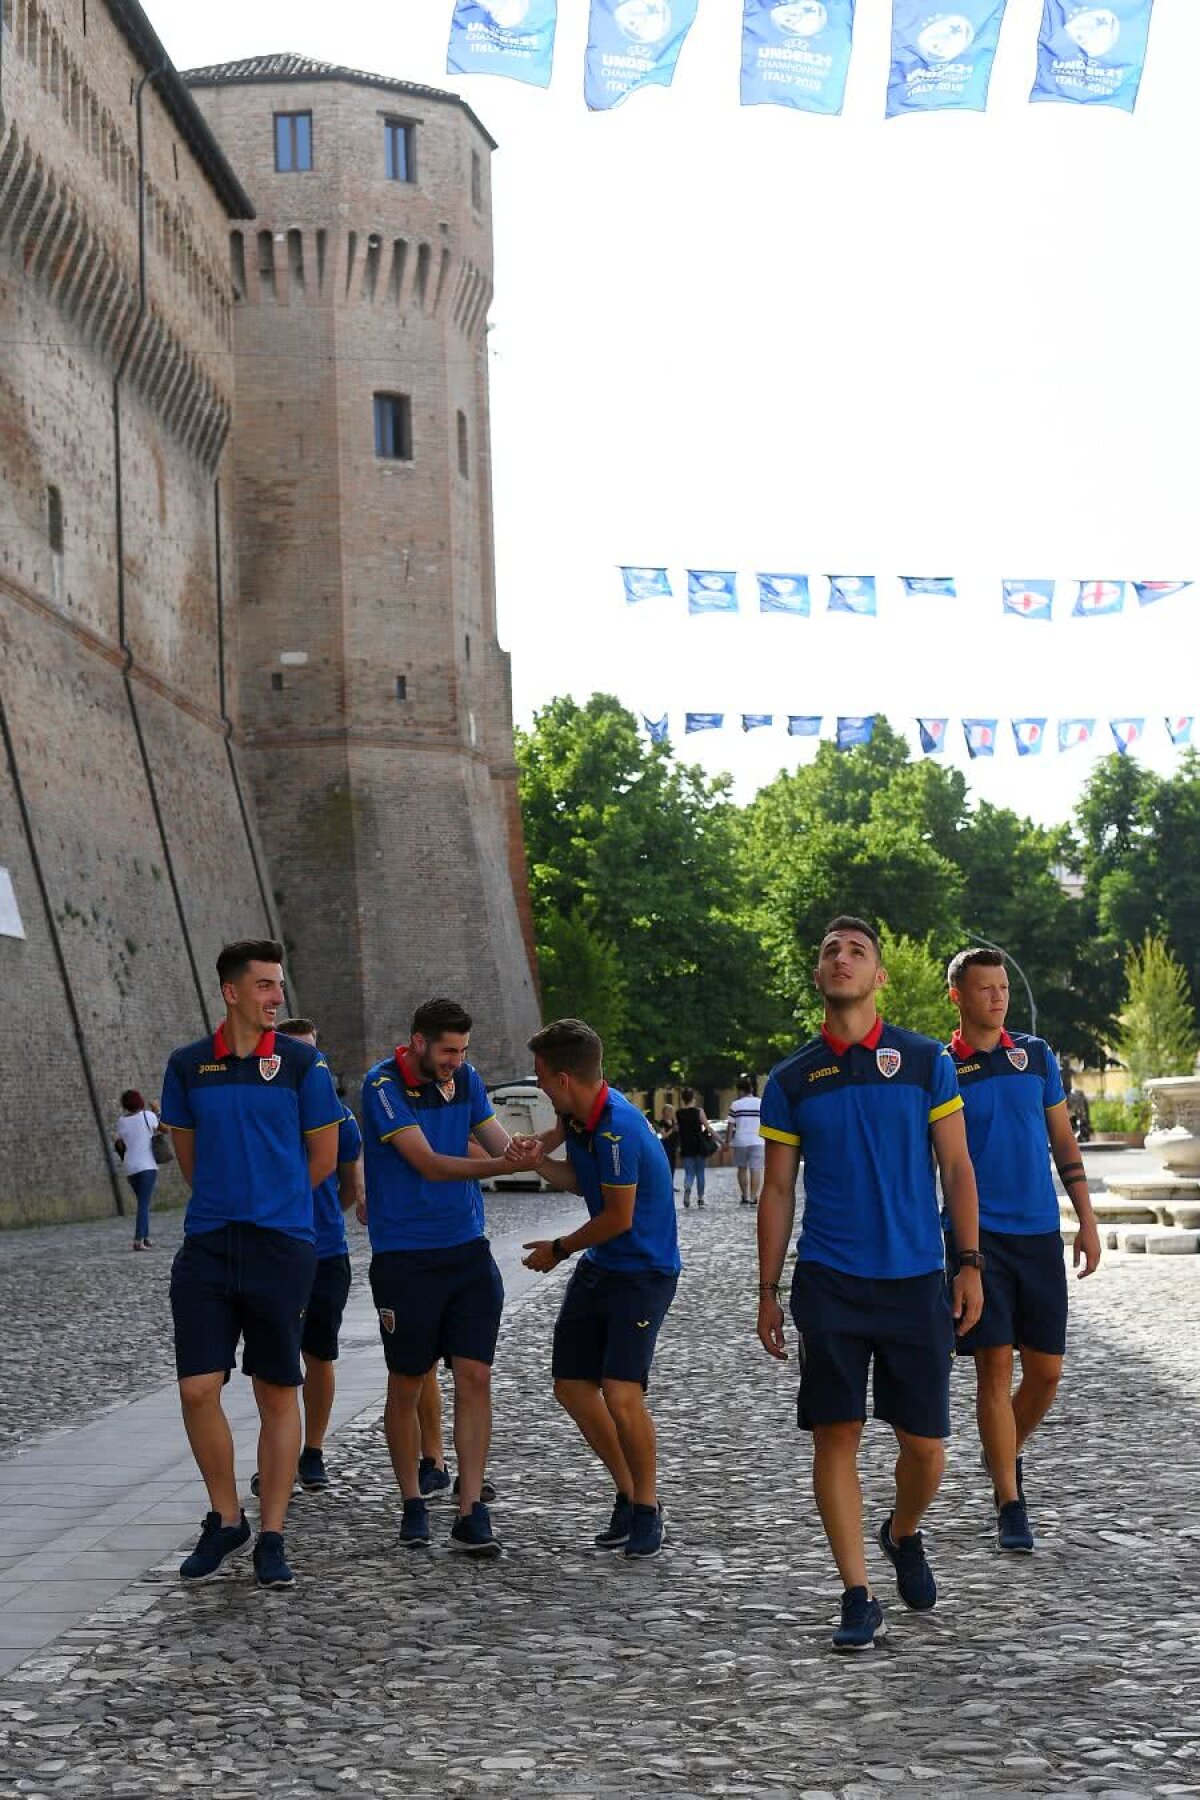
633,44
1150,591
854,731
852,594
1073,732
754,721
804,724
1029,735
796,53
712,590
1097,597
703,721
1179,730
657,729
646,584
1126,732
933,735
503,37
941,58
929,584
981,737
1028,599
784,594
1092,54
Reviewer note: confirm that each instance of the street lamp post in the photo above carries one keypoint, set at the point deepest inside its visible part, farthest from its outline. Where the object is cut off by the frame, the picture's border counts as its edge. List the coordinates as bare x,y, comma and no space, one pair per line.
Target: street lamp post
978,938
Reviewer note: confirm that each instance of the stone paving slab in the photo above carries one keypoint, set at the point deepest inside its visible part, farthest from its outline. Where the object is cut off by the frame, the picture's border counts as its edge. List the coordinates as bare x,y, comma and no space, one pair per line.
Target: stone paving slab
560,1670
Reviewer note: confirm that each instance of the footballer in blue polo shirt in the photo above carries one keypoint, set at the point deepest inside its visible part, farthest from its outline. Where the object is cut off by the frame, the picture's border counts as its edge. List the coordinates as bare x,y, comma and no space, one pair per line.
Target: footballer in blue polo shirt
254,1118
434,1281
870,1108
1017,1117
618,1297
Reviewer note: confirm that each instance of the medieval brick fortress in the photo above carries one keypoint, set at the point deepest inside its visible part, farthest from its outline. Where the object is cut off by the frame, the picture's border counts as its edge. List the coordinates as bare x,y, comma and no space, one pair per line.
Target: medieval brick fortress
249,676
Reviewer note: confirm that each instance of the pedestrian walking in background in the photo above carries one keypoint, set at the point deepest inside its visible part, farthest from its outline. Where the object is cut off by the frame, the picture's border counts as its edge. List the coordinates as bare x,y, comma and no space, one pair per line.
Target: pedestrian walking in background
749,1150
696,1145
136,1130
668,1136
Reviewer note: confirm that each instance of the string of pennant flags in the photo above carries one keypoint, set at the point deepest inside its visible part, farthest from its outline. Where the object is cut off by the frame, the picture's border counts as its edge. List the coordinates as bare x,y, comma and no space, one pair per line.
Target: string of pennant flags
716,591
797,53
982,737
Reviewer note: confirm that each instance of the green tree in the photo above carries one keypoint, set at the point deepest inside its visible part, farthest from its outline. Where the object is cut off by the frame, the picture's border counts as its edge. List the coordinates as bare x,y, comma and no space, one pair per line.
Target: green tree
582,978
1158,1029
915,995
643,848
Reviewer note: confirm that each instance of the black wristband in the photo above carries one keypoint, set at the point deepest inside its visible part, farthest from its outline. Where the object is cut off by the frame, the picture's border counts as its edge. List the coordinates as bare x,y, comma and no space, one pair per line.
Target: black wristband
970,1259
561,1253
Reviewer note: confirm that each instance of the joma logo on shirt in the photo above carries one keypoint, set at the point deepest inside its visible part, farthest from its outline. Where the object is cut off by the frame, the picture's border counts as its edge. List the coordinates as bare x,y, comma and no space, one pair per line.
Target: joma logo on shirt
969,1068
819,1074
211,1069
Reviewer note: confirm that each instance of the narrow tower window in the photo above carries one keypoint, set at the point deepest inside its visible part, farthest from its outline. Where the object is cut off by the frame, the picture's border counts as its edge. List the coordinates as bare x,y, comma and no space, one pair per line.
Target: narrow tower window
393,427
464,447
293,142
399,150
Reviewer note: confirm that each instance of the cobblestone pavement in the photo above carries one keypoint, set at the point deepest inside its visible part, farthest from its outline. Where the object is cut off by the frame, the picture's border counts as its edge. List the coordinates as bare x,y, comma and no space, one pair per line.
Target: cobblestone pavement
562,1671
87,1322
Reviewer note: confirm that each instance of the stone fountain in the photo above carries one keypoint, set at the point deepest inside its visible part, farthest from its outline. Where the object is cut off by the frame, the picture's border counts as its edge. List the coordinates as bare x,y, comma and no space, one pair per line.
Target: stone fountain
1160,1212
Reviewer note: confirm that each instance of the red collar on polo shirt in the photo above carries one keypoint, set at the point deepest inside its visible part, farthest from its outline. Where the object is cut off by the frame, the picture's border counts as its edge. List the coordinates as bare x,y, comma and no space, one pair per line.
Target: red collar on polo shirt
266,1044
406,1074
839,1046
960,1048
593,1118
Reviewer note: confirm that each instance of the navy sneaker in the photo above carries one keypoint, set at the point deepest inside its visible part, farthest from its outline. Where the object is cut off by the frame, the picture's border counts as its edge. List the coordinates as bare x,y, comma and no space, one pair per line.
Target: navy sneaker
217,1541
862,1621
616,1534
270,1564
647,1532
414,1526
487,1492
1012,1527
472,1533
432,1481
312,1473
914,1577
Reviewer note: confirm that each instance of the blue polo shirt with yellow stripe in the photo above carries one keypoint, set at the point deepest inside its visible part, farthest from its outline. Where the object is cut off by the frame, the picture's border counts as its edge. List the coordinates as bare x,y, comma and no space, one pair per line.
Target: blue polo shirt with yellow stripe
861,1115
405,1210
329,1217
618,1147
251,1116
1007,1093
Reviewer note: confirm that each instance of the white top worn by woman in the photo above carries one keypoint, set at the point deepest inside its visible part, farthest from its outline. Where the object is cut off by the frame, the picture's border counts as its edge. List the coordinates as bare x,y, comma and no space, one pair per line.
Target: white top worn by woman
744,1114
135,1131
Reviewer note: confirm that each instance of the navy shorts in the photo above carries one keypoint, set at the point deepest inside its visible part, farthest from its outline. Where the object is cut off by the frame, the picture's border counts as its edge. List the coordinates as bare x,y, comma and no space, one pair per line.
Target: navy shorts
901,1332
1024,1293
241,1281
326,1304
437,1303
609,1321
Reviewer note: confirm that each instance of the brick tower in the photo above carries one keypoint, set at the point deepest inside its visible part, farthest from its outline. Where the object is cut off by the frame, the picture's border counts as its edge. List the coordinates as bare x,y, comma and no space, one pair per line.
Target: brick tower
374,698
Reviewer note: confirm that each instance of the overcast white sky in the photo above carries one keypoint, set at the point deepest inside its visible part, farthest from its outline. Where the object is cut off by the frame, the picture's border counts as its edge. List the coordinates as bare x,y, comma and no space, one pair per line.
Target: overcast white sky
727,338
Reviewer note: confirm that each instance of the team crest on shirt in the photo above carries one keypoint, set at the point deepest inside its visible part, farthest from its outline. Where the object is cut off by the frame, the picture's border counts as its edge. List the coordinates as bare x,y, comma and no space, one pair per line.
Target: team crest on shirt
887,1061
269,1067
1018,1058
387,1319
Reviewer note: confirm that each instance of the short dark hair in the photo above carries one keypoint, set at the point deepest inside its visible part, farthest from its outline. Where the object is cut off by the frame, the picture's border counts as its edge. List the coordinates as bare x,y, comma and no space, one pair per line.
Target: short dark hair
972,959
745,1084
436,1017
848,922
297,1027
569,1047
687,1095
236,958
132,1101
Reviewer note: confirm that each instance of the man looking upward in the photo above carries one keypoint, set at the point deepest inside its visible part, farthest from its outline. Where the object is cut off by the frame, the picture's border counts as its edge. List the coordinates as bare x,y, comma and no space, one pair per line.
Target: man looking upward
434,1280
1014,1099
254,1117
865,1101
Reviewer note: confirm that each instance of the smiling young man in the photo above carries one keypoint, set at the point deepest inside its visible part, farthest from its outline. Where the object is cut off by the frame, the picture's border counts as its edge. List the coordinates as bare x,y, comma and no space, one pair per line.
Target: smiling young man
434,1280
618,1297
1014,1100
870,1107
254,1118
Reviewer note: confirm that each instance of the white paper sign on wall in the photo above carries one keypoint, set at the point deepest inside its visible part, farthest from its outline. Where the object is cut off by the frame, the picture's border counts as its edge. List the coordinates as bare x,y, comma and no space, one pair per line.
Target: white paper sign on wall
10,912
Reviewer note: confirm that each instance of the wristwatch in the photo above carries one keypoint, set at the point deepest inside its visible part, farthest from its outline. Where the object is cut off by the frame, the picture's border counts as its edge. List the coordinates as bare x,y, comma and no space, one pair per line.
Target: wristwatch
971,1259
561,1253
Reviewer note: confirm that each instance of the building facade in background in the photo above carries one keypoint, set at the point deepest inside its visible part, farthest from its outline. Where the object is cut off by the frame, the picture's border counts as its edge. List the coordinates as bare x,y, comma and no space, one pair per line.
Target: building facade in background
249,679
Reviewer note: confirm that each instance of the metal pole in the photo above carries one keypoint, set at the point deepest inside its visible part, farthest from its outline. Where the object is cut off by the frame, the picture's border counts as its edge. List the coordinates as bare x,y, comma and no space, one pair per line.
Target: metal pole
978,938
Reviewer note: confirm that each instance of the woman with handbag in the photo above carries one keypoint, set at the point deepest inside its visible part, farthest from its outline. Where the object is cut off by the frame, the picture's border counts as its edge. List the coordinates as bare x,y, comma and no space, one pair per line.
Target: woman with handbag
696,1145
139,1145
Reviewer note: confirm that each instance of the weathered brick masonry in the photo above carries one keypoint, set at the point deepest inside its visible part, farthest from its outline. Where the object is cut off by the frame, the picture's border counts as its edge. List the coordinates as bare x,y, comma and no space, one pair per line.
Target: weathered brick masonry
391,845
